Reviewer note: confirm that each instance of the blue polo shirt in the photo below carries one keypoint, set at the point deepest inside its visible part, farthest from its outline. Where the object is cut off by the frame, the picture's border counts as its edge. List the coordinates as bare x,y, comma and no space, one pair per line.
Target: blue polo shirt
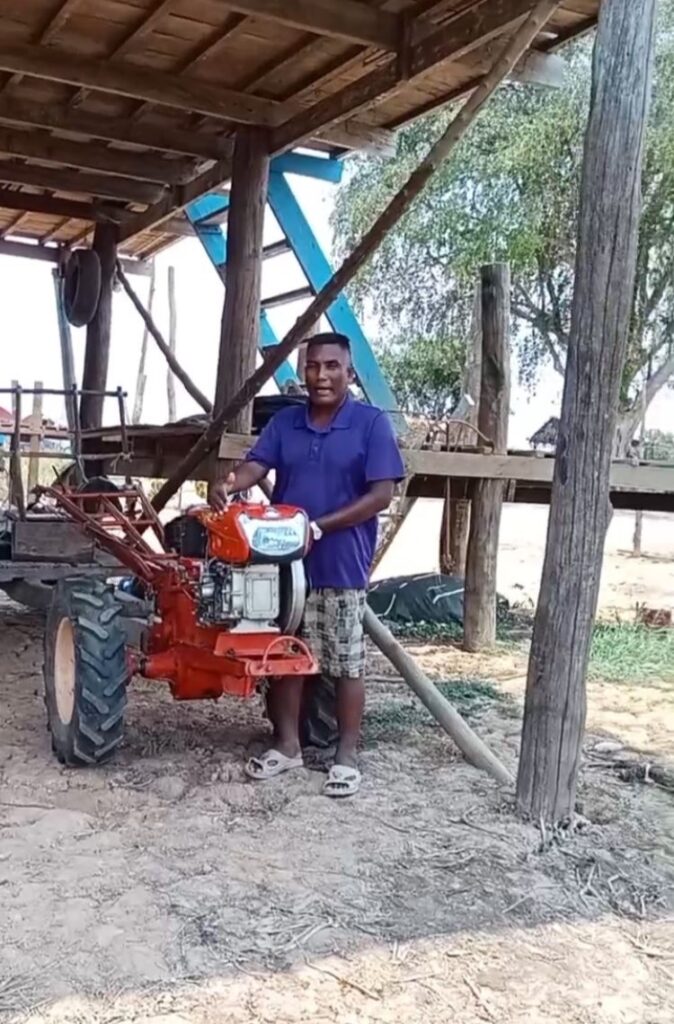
322,470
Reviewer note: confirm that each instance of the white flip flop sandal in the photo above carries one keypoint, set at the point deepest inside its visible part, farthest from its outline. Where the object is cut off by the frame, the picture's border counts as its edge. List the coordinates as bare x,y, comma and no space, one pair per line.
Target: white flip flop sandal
270,764
342,781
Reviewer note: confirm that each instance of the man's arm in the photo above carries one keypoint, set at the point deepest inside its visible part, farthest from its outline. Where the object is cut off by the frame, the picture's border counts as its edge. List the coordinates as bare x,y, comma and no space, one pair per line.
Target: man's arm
359,511
244,477
383,469
262,457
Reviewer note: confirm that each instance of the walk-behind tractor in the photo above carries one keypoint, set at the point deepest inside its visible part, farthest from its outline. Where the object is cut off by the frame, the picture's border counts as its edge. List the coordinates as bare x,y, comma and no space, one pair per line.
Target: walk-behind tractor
221,596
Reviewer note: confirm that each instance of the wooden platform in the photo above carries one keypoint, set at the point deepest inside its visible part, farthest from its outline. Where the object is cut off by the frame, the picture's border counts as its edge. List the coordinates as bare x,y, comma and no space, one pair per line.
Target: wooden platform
157,450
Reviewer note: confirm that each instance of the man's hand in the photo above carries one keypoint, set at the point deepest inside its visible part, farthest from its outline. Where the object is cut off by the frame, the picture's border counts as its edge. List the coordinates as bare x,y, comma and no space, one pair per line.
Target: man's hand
219,492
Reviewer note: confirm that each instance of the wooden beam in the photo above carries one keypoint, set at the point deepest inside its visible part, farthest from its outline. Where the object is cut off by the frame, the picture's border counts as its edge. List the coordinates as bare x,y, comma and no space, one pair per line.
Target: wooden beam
606,258
345,19
97,348
512,51
167,207
108,185
454,39
95,157
164,138
240,334
49,29
479,621
29,202
126,79
53,254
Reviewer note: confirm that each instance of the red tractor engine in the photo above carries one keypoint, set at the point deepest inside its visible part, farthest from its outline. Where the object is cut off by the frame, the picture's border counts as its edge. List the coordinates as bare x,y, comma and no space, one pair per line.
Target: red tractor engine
216,621
223,622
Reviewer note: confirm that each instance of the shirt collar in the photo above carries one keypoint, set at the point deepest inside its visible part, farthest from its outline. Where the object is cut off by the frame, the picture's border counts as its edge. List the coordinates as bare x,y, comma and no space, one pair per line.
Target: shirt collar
341,420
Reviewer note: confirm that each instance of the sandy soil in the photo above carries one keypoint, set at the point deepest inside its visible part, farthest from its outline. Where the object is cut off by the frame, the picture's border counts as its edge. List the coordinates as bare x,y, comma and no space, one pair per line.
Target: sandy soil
164,889
626,581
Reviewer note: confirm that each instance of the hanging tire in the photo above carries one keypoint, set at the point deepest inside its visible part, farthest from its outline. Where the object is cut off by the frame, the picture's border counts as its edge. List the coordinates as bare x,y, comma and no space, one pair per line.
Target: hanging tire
82,287
85,672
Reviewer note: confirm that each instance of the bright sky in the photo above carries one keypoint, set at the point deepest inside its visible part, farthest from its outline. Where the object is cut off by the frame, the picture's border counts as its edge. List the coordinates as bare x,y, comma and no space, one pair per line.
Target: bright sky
30,349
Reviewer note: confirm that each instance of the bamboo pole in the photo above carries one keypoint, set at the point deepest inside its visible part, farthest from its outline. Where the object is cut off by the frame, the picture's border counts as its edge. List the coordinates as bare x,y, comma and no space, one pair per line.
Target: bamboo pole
511,53
468,742
141,378
165,350
35,435
173,333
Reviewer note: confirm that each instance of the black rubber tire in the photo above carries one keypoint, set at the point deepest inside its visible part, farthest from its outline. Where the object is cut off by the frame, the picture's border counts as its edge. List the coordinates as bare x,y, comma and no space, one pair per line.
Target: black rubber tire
82,287
98,485
318,717
96,726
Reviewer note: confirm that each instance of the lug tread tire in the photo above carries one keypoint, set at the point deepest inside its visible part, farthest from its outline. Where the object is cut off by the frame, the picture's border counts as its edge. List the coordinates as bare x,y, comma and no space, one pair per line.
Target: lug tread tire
96,727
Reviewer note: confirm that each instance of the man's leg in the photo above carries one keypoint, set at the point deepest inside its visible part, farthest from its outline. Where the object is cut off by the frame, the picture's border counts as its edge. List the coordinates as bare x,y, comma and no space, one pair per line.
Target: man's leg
350,703
284,698
344,626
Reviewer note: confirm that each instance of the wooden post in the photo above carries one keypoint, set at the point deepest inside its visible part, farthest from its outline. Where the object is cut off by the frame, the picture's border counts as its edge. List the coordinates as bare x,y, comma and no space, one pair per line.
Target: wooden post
141,376
35,435
16,492
638,535
67,356
240,330
479,625
97,350
173,333
608,225
459,508
516,45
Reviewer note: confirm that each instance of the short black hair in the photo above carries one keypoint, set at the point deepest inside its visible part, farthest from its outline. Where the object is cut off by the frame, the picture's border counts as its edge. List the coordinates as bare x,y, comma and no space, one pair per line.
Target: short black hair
329,338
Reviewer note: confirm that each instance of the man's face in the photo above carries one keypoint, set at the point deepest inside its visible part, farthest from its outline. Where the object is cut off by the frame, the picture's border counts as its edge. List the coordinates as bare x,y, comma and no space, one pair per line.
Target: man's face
327,373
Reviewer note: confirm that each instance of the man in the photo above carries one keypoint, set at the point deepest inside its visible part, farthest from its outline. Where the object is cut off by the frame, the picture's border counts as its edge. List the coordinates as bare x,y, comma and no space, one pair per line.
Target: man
337,459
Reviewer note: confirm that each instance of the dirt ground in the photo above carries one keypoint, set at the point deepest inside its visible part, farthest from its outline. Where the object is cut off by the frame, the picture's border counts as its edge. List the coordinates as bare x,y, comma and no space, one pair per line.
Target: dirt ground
626,581
165,889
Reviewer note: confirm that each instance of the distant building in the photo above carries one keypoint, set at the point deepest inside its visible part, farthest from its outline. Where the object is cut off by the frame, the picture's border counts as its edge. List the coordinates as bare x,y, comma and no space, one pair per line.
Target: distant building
6,422
546,436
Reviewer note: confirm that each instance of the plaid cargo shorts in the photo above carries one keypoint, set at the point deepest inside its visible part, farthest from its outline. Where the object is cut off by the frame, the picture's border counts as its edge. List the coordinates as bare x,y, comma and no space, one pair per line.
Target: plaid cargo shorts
333,628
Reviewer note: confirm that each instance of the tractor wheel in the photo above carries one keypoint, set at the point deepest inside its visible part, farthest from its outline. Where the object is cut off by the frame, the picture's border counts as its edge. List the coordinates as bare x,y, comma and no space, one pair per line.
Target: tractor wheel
318,717
85,672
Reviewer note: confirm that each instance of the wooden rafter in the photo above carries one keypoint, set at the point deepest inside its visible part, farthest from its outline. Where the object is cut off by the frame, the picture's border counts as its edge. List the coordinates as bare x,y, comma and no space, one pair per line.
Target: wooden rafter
113,129
454,39
147,24
29,202
95,157
52,26
126,79
205,52
343,19
57,180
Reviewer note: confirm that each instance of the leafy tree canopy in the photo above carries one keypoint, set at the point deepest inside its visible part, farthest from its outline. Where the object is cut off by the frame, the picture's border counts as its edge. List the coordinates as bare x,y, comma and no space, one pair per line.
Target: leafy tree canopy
511,192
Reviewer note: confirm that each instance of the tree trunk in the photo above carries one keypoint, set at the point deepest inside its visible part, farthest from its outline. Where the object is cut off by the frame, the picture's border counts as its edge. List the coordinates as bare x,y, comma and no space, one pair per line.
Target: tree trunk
479,626
554,715
240,332
97,350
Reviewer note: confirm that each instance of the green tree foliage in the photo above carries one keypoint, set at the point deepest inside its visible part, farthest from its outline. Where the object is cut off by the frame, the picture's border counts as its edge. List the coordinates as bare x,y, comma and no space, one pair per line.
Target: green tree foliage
511,192
659,446
425,374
